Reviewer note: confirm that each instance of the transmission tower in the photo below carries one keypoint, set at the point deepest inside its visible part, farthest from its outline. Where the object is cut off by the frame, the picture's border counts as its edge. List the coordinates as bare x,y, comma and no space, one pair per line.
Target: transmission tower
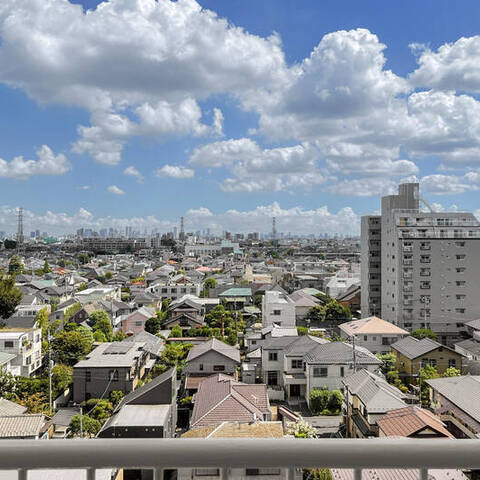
181,237
274,229
20,237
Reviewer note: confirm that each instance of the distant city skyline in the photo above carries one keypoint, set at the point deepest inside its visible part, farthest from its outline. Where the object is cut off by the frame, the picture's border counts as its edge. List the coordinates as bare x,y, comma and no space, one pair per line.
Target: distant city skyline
242,111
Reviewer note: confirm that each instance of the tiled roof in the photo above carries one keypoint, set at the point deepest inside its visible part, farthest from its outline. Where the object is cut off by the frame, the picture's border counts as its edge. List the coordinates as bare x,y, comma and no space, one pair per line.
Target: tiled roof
153,344
21,425
237,430
217,346
371,325
412,347
375,393
220,398
405,422
463,391
237,292
397,474
303,344
470,345
340,352
8,408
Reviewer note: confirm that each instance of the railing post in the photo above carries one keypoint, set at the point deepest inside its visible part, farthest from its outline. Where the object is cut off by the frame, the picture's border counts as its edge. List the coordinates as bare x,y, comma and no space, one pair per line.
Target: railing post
22,474
90,474
291,473
158,473
423,474
357,474
223,473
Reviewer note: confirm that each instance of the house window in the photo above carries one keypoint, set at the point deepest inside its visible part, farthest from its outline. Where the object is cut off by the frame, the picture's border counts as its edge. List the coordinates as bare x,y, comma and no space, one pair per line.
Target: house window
460,310
219,368
138,324
200,367
9,344
432,362
460,283
365,338
272,356
254,342
320,371
452,362
342,371
297,363
272,378
277,312
207,472
113,375
88,376
253,472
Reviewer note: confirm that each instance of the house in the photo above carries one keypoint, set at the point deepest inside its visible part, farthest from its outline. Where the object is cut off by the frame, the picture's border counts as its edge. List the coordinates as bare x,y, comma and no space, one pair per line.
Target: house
303,303
256,338
146,299
413,354
61,310
207,358
150,411
175,289
22,338
185,312
368,397
455,401
153,345
220,398
8,408
229,430
351,298
6,362
278,308
412,422
133,323
110,366
236,298
55,294
84,313
29,306
98,293
468,348
329,363
372,333
23,427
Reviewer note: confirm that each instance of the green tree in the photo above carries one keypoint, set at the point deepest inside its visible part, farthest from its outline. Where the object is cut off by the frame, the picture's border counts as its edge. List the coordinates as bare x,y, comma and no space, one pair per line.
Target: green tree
301,429
71,311
451,372
119,336
176,332
316,314
10,244
100,321
90,426
319,398
62,378
82,286
99,336
335,311
115,397
388,362
99,408
426,373
15,266
424,333
153,325
83,258
42,320
34,403
335,402
302,331
10,296
46,267
207,285
68,347
7,384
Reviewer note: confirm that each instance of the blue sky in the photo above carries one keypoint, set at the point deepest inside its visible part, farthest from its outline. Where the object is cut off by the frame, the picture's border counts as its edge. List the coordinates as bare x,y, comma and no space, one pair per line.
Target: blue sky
231,126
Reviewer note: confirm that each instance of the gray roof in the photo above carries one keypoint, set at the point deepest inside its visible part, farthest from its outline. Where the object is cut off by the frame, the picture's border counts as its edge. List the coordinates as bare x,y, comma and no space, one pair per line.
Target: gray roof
14,426
8,408
303,344
153,344
463,391
114,354
340,352
470,345
64,416
217,346
139,416
20,322
411,347
6,357
475,324
374,392
277,343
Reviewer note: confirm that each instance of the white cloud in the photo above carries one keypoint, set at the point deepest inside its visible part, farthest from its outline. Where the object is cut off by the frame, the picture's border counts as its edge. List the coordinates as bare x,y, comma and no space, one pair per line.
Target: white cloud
256,169
47,163
174,171
454,66
84,187
133,172
439,184
367,187
113,189
144,77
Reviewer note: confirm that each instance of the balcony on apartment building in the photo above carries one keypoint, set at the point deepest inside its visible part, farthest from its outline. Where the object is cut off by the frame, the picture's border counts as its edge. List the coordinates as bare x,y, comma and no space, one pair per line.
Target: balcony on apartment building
162,455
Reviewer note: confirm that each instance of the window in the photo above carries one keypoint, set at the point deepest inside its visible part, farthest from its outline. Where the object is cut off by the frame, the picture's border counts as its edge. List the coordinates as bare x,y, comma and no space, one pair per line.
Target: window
425,272
207,472
138,324
164,290
277,312
251,472
272,378
365,338
387,341
272,356
28,360
460,257
425,285
200,367
113,375
297,363
452,362
460,269
342,371
460,310
432,362
254,342
8,344
320,372
219,368
460,297
460,283
459,244
88,376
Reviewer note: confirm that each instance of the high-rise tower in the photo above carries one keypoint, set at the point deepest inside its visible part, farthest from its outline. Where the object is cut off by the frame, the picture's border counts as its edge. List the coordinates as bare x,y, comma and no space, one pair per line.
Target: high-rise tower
20,237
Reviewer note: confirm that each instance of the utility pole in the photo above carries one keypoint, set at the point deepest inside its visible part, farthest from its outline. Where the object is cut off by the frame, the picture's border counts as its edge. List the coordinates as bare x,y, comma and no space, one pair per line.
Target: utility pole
50,366
354,355
81,422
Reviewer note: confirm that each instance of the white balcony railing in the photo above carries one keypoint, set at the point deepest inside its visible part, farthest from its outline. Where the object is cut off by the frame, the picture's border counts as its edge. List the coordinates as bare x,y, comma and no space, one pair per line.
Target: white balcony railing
289,453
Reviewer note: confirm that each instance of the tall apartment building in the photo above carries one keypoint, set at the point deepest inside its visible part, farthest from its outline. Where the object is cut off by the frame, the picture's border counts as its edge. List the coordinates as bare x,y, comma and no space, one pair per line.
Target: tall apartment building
429,275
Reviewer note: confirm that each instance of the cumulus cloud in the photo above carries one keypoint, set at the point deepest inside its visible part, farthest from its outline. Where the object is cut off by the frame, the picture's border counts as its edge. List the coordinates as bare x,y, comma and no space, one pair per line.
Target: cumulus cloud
174,171
114,190
133,172
256,169
145,77
47,163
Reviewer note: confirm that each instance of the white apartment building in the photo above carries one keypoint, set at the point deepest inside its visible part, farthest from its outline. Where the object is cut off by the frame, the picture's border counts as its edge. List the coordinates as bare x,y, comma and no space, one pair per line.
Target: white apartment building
175,291
277,308
429,266
26,344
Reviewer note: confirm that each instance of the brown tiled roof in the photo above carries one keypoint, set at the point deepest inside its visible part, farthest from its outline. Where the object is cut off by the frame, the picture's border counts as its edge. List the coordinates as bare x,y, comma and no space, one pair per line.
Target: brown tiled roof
238,430
221,398
407,421
192,383
371,325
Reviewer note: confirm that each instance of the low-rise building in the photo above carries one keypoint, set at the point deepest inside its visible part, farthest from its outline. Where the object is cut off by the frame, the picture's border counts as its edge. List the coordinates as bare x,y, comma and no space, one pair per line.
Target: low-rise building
278,308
